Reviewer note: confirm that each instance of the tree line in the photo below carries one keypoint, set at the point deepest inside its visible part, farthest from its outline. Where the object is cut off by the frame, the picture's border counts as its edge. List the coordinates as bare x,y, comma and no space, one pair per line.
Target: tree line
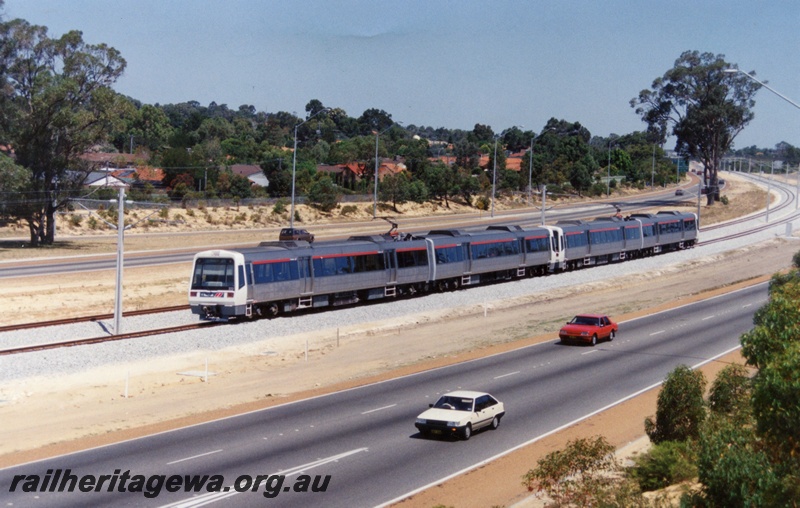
57,103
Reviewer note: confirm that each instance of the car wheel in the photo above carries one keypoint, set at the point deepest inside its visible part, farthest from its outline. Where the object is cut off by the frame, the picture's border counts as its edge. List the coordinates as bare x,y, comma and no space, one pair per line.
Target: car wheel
467,433
495,423
594,340
611,335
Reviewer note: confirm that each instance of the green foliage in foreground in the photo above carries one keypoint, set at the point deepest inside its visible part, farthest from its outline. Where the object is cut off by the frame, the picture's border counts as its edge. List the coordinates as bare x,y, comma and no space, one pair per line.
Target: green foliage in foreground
570,476
665,464
743,444
680,409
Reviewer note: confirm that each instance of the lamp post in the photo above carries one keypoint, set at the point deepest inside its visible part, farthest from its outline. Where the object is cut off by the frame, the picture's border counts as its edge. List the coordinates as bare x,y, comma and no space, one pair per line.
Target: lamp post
377,166
653,172
769,185
294,161
530,176
494,175
733,71
120,260
608,182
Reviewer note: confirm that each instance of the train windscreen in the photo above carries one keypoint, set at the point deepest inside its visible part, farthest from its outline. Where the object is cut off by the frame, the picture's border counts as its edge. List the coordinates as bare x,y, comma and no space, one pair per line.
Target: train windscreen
213,273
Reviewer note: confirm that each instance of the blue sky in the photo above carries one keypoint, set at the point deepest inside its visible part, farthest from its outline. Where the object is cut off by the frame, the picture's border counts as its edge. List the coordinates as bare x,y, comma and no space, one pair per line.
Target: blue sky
438,63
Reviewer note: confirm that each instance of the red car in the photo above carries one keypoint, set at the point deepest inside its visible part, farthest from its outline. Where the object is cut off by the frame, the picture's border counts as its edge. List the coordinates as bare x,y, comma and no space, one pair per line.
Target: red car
588,328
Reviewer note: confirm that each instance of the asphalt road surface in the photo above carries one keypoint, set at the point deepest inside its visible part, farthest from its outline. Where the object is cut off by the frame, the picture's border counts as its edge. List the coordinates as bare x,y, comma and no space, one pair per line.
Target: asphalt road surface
362,442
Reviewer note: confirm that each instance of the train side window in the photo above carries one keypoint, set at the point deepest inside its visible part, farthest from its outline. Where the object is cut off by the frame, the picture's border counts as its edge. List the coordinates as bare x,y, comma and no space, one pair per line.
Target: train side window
241,276
533,244
408,259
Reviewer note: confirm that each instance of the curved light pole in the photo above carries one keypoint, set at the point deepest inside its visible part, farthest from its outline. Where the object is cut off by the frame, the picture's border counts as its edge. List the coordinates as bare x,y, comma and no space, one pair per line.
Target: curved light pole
733,71
377,165
294,161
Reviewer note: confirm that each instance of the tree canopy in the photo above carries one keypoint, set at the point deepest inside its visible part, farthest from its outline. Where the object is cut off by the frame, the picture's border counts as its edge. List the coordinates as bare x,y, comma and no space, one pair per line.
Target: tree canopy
57,101
705,107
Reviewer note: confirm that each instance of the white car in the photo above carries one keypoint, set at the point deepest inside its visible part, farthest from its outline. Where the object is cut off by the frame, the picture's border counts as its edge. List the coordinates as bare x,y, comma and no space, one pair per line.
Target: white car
460,413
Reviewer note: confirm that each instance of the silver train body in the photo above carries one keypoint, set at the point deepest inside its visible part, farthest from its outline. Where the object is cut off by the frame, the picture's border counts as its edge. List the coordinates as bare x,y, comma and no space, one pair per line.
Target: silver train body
280,277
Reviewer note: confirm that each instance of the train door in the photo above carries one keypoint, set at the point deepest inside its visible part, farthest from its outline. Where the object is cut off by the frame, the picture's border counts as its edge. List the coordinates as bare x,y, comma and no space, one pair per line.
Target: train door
306,274
390,261
248,271
431,259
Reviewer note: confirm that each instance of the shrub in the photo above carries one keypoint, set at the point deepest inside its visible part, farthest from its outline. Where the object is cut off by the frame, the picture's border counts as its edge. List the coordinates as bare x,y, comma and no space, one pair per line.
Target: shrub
796,259
734,467
92,223
482,203
599,189
280,207
348,210
576,475
730,392
680,408
665,464
724,200
75,220
164,213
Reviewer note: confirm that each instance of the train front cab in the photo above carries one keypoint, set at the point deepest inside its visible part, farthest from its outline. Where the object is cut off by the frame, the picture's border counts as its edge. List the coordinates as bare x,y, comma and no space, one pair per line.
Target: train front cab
219,288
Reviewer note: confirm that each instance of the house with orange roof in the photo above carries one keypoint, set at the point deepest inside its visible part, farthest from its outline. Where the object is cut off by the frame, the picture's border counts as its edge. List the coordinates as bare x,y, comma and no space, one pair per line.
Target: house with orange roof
348,175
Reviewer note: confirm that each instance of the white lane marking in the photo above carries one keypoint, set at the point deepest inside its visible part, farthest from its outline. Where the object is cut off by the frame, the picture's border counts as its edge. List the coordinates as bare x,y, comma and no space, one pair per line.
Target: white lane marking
194,457
378,409
708,317
229,491
658,332
506,375
540,437
746,305
590,352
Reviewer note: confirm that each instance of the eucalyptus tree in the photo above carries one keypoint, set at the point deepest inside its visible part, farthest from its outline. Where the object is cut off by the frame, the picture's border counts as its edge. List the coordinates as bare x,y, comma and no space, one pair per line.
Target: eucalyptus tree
57,101
704,106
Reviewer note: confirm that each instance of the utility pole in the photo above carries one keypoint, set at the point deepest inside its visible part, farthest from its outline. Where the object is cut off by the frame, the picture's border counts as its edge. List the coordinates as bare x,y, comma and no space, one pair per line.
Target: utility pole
120,260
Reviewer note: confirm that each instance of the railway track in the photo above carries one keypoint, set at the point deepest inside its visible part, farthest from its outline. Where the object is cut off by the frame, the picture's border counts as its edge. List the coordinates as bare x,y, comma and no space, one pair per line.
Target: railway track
785,203
86,319
106,338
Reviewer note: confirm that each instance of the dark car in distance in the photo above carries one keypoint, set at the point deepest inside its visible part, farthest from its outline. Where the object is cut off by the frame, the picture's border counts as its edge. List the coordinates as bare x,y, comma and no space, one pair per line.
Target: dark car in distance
289,234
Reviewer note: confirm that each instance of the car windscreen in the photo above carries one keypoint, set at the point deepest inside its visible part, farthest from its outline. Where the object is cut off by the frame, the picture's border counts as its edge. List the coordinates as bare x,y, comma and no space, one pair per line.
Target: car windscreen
456,403
583,320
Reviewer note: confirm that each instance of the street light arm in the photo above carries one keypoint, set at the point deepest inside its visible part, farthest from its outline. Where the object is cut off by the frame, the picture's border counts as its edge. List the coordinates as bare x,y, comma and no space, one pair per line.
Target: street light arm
730,71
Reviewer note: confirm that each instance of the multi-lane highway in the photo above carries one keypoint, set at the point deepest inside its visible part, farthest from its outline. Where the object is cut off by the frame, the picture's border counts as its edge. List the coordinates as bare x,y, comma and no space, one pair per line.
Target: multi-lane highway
364,438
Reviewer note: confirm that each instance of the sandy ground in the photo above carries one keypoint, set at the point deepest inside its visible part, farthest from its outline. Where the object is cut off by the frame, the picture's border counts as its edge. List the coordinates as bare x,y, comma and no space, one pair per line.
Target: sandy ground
90,409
